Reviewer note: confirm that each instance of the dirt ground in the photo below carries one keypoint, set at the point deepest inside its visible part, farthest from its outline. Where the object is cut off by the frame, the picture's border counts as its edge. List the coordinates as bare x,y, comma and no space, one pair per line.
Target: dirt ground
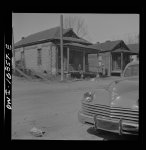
52,107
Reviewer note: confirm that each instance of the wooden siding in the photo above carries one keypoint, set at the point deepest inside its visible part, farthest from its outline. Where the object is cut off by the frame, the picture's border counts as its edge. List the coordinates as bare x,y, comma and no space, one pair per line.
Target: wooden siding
106,62
92,62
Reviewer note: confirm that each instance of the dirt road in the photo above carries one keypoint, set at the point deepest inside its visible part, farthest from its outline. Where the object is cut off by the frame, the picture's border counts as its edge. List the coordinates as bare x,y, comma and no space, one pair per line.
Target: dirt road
51,107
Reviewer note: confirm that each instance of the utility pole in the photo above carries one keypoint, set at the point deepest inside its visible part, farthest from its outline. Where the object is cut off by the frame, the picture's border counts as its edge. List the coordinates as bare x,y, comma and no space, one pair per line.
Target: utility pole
13,51
61,46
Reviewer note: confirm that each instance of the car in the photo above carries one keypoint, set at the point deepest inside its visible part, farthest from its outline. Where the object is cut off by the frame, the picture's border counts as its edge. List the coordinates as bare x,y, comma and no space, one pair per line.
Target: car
114,108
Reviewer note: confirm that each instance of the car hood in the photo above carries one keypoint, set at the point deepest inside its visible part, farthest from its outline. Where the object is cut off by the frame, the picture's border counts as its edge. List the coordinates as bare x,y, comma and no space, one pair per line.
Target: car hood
126,100
127,91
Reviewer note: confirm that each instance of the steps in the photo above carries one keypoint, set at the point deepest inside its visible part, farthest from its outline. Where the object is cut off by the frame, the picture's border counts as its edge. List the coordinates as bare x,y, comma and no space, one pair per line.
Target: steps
40,75
30,76
22,73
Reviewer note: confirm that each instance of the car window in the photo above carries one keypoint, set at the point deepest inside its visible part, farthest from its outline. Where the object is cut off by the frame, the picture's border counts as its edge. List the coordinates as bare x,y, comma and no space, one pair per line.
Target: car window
132,70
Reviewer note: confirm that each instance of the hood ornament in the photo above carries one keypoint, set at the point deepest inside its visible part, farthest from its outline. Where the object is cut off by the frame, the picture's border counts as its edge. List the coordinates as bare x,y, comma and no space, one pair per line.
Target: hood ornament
89,96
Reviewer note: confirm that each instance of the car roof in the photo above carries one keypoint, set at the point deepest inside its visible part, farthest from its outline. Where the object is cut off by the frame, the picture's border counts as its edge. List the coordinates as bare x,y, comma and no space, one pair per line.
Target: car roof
130,64
133,63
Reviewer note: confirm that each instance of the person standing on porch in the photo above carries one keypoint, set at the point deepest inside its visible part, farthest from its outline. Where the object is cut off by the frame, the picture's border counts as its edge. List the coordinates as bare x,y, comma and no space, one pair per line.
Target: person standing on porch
97,74
103,70
100,69
80,70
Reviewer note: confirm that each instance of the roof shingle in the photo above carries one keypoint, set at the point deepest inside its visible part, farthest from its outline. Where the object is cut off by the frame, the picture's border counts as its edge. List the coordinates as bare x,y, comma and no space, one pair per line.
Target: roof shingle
53,33
108,45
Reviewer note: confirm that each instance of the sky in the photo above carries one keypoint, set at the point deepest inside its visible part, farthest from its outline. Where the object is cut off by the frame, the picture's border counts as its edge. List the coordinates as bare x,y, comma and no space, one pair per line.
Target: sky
100,27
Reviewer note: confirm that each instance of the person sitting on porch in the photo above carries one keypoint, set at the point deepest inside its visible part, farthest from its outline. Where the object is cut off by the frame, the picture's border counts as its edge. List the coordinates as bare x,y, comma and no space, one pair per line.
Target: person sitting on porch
80,70
79,67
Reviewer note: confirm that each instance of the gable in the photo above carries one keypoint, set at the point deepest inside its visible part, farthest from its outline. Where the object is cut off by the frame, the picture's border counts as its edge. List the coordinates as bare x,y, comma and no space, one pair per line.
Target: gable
121,45
111,45
71,33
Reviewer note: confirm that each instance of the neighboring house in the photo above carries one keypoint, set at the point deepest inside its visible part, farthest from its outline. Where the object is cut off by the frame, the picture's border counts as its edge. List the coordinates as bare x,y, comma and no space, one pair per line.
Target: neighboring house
41,51
134,48
114,56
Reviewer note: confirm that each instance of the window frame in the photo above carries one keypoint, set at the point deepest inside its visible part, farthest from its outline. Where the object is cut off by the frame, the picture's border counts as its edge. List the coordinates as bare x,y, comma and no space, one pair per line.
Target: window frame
39,56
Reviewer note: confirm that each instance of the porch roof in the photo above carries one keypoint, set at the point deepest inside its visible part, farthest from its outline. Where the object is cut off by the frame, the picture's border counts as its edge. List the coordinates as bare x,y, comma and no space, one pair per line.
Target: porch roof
123,51
107,45
88,48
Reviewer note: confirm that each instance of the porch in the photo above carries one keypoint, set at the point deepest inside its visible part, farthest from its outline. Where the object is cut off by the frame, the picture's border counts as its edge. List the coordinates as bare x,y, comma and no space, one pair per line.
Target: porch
119,59
75,58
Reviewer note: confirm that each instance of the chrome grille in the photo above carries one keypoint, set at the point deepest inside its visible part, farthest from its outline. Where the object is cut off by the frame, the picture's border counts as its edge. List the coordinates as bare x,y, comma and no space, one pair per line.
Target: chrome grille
112,112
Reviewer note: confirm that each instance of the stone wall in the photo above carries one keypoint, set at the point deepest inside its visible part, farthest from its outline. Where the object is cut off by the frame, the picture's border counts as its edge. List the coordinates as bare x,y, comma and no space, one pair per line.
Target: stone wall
48,57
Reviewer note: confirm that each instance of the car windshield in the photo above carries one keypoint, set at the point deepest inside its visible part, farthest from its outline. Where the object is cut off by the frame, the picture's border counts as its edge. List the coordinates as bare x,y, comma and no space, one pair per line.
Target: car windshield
132,70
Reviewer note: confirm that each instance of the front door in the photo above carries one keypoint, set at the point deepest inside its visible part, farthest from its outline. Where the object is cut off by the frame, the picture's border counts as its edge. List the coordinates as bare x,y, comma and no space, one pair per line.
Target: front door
116,61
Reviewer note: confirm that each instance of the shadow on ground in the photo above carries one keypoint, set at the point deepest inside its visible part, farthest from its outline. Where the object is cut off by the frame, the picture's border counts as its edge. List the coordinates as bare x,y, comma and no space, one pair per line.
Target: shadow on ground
110,136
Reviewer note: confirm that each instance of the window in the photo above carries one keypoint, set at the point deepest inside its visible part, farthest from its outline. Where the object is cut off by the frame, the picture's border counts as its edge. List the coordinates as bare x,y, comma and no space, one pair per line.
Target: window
132,70
39,57
22,58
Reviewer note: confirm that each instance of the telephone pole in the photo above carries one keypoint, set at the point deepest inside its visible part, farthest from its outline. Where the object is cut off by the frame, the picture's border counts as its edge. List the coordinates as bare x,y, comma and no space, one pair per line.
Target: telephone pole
61,46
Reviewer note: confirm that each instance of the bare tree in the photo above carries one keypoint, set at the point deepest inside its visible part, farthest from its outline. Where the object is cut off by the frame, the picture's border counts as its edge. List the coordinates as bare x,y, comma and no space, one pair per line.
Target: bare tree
77,23
133,39
128,38
137,38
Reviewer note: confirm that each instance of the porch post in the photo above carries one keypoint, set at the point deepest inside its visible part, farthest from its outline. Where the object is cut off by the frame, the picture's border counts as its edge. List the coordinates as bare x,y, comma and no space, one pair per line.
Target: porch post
68,59
23,59
121,63
61,46
109,72
84,61
111,61
57,59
